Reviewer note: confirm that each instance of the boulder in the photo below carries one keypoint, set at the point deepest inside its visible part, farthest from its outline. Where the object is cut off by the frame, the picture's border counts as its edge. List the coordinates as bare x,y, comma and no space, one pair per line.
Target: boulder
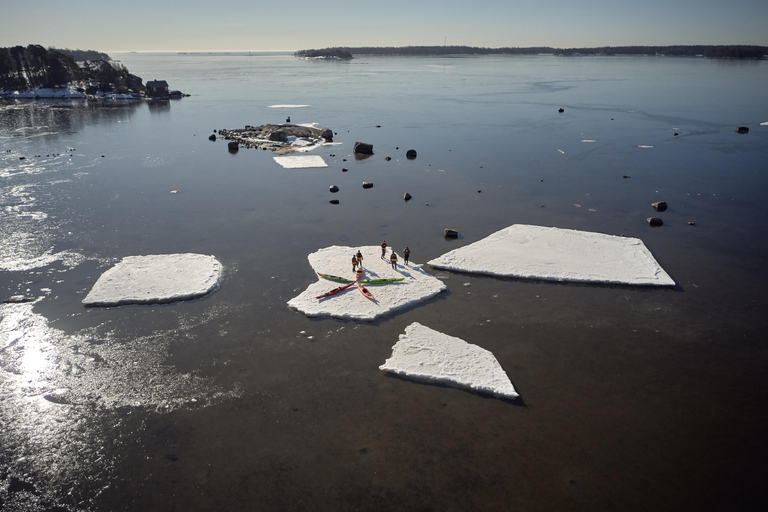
410,154
334,188
742,129
451,233
367,184
655,221
334,201
212,137
233,146
407,196
659,206
362,148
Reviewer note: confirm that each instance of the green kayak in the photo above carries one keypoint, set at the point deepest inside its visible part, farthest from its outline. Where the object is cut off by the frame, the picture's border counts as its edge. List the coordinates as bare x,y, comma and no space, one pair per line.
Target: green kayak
368,282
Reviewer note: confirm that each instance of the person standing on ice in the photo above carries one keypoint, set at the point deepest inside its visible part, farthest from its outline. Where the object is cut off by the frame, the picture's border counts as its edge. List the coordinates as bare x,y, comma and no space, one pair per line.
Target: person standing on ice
406,254
393,259
360,258
383,249
354,263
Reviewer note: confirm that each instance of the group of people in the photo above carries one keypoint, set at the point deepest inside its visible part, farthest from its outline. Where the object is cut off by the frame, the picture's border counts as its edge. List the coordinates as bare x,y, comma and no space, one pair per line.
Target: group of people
357,259
393,256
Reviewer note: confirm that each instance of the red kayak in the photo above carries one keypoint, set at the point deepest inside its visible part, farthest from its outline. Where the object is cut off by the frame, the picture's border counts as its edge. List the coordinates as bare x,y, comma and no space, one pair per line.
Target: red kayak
365,292
334,291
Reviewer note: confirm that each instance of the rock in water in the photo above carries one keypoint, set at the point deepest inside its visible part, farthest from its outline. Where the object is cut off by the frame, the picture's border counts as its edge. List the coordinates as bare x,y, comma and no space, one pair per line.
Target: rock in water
425,354
363,148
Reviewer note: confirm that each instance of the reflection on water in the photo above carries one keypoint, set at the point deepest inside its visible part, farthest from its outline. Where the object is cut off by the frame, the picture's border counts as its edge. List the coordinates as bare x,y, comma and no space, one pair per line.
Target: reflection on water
58,388
50,118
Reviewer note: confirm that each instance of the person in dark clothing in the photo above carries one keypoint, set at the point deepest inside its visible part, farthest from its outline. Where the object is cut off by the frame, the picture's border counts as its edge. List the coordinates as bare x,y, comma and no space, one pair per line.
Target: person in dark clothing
360,258
393,259
383,249
406,254
354,263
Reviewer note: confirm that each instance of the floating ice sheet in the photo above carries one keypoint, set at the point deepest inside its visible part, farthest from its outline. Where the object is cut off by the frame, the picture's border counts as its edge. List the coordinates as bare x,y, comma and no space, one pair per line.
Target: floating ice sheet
155,279
417,285
301,161
425,354
536,252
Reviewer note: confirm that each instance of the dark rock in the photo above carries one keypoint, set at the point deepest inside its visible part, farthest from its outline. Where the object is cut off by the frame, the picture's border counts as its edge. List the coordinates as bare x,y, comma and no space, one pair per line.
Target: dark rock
388,158
334,188
407,196
288,119
451,233
344,170
655,221
334,201
233,146
625,176
660,206
742,129
363,148
410,154
367,184
561,110
691,223
212,137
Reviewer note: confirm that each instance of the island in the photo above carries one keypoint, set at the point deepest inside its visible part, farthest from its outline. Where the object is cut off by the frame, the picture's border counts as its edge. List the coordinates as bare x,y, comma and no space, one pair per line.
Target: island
710,51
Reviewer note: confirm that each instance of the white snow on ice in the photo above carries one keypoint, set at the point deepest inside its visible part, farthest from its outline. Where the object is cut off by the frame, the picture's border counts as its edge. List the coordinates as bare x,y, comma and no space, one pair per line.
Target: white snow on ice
764,124
154,279
424,354
287,106
301,161
417,286
536,252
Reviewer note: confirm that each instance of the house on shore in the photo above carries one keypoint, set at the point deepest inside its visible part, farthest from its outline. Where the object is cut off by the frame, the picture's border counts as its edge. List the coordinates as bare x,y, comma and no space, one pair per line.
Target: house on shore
157,89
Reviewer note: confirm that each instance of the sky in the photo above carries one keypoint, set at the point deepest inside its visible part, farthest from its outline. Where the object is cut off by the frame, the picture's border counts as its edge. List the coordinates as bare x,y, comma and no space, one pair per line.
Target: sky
255,25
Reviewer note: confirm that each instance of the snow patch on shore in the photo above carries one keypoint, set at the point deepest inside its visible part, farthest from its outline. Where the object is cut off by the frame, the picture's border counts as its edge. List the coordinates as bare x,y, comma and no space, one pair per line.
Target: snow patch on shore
536,252
156,278
424,354
417,285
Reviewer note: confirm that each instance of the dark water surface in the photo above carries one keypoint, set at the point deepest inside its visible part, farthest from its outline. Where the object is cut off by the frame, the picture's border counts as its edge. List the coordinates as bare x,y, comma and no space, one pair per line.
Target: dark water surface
632,398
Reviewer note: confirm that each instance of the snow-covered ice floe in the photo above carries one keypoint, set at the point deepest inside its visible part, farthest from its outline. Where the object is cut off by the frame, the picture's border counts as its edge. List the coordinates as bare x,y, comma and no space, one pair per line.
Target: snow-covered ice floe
536,252
155,279
301,161
424,354
417,285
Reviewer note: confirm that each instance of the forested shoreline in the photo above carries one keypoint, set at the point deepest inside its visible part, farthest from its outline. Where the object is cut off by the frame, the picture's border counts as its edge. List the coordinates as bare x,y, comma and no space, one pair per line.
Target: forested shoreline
33,66
709,51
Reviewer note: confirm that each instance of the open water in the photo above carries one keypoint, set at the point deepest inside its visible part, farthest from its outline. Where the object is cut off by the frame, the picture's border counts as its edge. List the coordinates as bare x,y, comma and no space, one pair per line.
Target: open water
632,398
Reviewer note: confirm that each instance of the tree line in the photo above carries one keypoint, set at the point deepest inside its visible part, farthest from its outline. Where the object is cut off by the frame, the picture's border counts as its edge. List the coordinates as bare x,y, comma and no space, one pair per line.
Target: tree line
711,51
22,68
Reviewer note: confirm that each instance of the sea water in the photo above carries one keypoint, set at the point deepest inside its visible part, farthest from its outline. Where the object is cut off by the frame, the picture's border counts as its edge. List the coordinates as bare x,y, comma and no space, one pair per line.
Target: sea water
235,401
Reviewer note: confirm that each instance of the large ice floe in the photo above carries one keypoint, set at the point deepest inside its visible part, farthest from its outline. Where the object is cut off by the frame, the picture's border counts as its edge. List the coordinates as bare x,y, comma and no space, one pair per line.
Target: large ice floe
424,354
335,263
155,278
536,252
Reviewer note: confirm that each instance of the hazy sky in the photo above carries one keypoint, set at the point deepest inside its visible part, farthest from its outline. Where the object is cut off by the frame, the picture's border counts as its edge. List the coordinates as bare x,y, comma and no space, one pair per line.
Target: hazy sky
195,25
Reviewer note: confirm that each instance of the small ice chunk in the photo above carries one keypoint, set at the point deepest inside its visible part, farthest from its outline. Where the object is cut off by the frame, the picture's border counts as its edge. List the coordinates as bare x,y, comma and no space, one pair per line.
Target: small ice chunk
155,278
301,161
422,353
536,252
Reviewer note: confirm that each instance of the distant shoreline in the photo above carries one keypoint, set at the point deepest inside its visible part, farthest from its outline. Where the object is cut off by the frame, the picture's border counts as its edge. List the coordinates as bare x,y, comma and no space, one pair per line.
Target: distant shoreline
707,51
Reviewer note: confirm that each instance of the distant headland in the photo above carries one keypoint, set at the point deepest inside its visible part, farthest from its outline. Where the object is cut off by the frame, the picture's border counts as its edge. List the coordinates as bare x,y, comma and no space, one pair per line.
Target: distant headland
35,71
708,51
